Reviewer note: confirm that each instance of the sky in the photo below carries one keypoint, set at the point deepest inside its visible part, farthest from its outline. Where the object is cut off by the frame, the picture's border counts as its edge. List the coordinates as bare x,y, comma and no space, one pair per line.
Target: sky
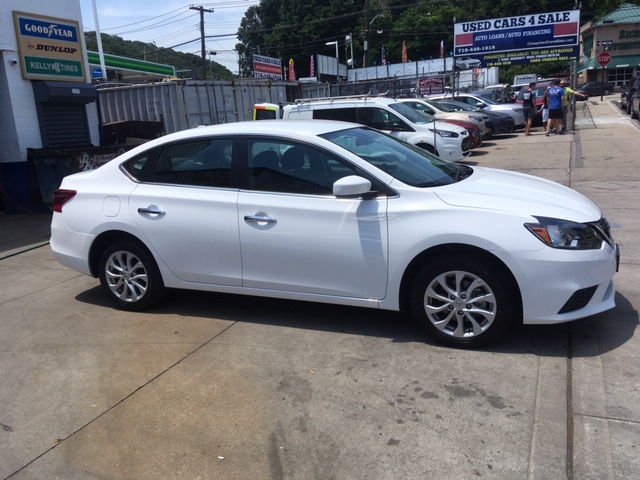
171,23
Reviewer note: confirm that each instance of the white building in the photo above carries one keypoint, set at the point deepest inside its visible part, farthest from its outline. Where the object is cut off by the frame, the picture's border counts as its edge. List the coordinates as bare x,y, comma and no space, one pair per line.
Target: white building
46,98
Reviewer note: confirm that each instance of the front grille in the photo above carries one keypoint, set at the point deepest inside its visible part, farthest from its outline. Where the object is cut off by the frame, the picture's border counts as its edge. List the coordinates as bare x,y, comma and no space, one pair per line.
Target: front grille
579,299
466,143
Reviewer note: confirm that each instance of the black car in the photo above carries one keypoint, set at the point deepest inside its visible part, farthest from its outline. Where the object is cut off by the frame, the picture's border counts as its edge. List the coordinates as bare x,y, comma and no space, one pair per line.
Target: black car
627,93
500,122
593,89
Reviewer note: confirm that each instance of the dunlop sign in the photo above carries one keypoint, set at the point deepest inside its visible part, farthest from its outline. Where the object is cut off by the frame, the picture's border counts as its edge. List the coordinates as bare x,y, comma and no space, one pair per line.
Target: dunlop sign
50,48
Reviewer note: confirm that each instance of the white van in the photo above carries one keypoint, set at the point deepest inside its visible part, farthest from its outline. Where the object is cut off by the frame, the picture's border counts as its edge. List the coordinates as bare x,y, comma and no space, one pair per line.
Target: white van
448,141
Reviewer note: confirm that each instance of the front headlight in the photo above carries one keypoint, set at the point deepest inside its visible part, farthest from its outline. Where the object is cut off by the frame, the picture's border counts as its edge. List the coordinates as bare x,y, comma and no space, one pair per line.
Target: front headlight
446,133
558,233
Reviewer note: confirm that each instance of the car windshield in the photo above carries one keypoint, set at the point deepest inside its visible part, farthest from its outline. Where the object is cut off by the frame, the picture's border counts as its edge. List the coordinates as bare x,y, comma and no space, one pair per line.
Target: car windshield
456,106
442,106
403,161
487,100
412,115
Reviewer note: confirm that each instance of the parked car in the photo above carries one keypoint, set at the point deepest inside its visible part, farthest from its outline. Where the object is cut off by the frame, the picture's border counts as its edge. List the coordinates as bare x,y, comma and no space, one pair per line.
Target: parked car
336,212
430,107
445,140
516,89
592,89
472,128
501,93
627,93
500,122
464,63
513,110
635,105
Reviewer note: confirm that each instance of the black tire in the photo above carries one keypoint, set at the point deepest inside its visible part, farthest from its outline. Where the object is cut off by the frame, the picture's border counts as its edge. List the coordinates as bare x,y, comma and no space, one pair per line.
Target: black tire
470,304
130,276
606,91
428,148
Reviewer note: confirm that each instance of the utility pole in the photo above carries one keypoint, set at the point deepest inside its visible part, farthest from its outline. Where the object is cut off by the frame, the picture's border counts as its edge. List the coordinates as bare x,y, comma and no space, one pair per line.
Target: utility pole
202,10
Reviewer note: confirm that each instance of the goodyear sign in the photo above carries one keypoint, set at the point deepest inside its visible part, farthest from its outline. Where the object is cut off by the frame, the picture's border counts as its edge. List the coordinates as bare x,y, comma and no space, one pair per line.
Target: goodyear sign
520,40
50,48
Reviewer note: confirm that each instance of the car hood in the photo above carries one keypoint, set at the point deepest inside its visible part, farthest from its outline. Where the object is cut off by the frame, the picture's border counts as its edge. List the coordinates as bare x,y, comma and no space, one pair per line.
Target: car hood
520,194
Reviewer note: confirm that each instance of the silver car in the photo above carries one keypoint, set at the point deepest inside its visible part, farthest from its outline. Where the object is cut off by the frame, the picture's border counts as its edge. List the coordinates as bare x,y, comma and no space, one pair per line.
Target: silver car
513,110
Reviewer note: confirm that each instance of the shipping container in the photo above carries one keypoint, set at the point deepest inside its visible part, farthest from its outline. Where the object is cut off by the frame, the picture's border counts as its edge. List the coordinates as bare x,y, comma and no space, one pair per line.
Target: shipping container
182,104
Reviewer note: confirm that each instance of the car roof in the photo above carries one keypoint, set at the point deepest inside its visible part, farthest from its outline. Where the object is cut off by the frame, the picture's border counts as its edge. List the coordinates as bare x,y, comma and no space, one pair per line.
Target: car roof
286,128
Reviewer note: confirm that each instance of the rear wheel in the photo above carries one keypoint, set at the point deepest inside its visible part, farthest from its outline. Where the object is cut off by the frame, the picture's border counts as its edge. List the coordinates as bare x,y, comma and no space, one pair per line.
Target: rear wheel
607,91
462,302
130,276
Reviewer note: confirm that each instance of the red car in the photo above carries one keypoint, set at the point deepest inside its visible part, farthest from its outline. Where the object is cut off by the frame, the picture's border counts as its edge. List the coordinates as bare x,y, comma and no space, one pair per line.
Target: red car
474,132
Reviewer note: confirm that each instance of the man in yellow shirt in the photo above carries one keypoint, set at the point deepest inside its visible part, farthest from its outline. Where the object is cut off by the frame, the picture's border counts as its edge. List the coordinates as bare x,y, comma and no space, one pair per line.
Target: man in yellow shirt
566,101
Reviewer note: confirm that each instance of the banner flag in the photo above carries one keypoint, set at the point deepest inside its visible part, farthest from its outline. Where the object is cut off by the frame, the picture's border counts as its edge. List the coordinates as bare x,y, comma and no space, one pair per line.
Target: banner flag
292,71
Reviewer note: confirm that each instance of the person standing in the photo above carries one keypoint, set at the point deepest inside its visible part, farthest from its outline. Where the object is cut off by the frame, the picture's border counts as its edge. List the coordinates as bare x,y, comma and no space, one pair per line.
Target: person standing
568,92
556,104
528,98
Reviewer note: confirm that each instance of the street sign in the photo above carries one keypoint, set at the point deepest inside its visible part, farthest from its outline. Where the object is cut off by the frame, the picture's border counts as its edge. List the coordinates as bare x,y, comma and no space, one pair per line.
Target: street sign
604,58
604,43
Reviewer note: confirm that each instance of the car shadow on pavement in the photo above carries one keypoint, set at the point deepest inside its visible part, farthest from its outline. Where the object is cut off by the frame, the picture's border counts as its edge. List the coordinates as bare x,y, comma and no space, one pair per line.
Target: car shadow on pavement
615,327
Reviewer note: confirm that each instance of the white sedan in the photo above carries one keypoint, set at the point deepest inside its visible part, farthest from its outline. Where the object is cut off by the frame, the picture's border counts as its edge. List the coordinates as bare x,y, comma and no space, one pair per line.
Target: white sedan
339,213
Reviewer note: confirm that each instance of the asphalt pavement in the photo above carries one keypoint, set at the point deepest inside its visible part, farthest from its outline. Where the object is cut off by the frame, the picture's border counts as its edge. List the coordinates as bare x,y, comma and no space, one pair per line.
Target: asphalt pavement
211,386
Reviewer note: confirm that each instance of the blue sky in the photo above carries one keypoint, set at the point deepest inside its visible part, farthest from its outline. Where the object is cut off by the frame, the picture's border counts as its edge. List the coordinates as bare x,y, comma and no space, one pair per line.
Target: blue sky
170,23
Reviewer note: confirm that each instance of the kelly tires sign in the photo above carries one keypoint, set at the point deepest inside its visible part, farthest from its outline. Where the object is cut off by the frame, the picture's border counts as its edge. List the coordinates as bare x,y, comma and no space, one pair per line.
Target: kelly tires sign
520,40
50,48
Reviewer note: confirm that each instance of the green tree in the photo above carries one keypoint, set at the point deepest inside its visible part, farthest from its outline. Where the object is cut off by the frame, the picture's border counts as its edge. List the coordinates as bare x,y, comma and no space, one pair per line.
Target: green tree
114,45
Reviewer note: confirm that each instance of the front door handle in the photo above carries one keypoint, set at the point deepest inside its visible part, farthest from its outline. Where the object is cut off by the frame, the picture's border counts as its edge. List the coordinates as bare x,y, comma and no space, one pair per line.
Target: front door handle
259,219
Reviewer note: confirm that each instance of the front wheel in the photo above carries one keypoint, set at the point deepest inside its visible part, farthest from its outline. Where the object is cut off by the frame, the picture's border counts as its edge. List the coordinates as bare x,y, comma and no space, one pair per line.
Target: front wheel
462,302
130,276
606,92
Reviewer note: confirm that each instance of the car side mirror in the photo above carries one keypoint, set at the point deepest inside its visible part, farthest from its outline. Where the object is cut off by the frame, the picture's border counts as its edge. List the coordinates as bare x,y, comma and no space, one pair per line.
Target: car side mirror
351,186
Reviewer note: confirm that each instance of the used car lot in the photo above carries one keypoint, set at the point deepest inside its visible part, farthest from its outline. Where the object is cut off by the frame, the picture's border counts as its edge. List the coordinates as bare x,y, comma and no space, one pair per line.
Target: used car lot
219,386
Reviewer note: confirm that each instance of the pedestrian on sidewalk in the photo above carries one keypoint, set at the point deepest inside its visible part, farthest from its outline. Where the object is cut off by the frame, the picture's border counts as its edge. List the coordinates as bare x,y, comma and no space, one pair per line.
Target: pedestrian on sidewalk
568,95
528,97
556,104
544,109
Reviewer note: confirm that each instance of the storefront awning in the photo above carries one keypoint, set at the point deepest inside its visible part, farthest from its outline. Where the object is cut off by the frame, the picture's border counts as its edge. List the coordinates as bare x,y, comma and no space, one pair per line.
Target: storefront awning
618,61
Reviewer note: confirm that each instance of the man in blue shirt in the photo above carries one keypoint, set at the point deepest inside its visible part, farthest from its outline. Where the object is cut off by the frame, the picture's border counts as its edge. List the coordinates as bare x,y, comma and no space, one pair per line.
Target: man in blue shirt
528,97
556,105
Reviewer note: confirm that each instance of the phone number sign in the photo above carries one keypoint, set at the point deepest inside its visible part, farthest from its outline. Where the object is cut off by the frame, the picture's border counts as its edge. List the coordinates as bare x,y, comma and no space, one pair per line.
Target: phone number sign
522,39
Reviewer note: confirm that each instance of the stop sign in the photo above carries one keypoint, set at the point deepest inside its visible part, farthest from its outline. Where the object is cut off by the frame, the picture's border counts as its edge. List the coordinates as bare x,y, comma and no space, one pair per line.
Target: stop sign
604,58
